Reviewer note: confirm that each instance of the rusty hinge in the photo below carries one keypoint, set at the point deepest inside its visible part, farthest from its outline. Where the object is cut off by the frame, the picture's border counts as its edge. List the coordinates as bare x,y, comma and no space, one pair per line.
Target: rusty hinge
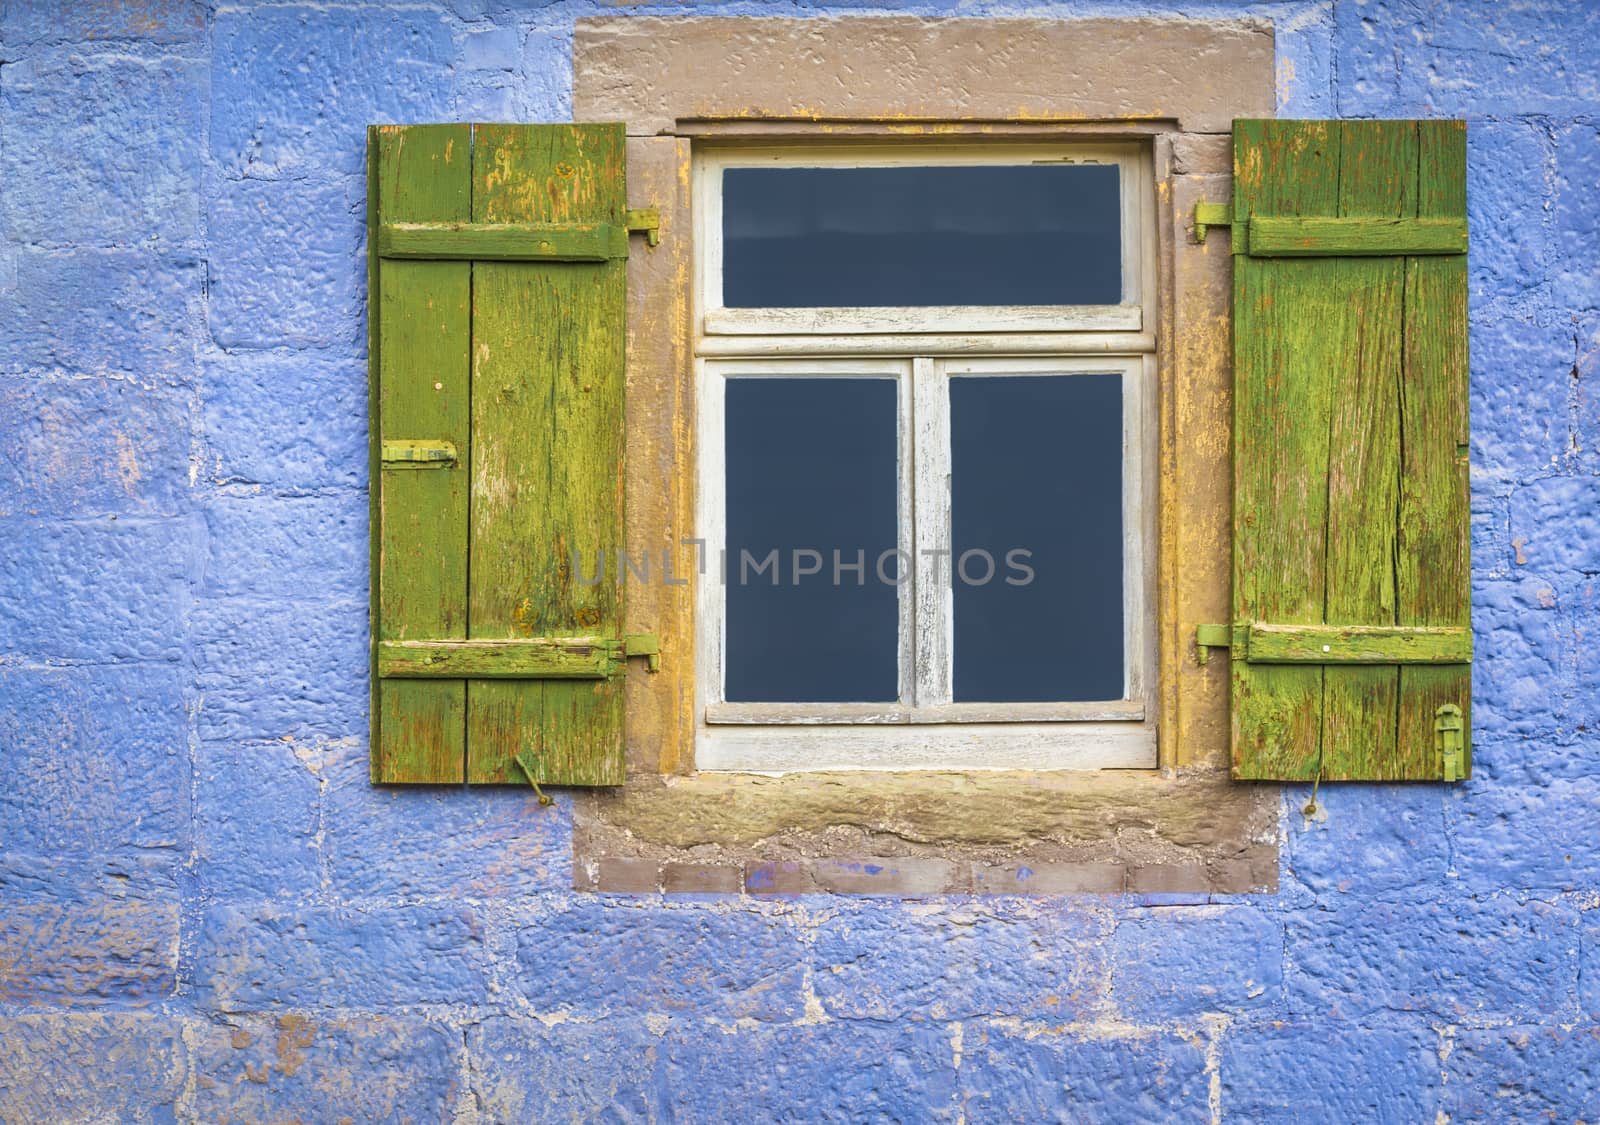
645,221
1448,741
647,645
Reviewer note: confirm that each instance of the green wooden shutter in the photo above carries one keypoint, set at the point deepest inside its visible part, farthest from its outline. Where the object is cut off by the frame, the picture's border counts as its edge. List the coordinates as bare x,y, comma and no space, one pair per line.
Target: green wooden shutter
1351,635
497,333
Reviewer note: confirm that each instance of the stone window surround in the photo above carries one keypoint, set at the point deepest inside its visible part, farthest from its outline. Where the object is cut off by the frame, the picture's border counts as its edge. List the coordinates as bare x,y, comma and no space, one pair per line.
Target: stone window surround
1183,828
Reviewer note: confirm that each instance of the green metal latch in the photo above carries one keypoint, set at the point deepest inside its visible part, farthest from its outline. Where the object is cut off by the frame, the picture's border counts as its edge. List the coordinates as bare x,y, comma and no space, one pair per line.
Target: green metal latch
1211,215
1447,740
418,454
1208,637
647,645
645,221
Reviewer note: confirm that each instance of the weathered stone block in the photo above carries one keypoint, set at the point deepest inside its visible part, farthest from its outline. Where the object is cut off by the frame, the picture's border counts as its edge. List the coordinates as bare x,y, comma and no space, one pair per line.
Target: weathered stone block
270,669
961,961
1321,1072
287,546
149,21
102,149
285,419
91,446
96,760
1521,377
102,310
810,1072
1524,1073
416,842
1520,837
293,88
1397,59
104,952
1463,960
258,823
1520,632
1010,1074
97,590
374,959
124,1067
1372,840
303,1066
531,1070
604,956
287,262
1184,962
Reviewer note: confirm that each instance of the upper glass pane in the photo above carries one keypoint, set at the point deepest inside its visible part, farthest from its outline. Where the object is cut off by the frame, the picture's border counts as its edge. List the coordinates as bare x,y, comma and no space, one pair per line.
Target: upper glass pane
1036,531
813,497
919,236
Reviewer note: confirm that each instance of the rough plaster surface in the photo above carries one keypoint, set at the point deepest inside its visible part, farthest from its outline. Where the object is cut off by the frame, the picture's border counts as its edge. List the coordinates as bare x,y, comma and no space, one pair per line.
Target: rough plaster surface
206,915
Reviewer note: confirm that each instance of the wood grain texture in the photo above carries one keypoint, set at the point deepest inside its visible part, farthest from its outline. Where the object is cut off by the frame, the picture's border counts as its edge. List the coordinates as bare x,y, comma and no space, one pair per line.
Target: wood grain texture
1289,330
1356,644
419,340
1433,572
1350,378
541,658
504,242
547,402
1352,237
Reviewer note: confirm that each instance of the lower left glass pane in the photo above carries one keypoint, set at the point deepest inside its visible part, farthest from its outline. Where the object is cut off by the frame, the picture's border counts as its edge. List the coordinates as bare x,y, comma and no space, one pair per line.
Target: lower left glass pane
812,500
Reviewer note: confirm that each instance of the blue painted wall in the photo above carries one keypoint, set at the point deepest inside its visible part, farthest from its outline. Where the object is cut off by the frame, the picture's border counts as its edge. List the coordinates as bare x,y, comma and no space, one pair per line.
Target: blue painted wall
207,913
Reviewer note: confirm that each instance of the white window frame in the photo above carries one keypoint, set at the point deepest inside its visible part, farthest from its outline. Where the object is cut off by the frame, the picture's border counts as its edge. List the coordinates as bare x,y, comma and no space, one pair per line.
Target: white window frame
921,349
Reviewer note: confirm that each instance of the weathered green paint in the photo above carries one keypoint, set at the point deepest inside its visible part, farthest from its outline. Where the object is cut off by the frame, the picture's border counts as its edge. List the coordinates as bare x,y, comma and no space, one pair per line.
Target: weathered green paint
420,335
1210,215
1357,644
1354,238
497,352
1208,637
1349,407
504,242
418,454
547,393
543,658
1450,741
645,221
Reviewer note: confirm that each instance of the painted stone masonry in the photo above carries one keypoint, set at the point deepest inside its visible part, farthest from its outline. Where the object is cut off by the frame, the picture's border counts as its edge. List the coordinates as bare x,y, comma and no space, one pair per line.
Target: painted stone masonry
208,913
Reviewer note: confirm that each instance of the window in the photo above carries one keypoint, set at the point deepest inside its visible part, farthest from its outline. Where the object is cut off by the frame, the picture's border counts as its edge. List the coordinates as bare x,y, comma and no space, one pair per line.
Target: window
925,424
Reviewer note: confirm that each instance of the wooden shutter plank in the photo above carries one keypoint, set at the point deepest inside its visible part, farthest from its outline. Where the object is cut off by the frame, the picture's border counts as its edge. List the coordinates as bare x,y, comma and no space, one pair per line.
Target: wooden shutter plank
1377,177
1281,432
547,379
1433,569
1369,351
420,341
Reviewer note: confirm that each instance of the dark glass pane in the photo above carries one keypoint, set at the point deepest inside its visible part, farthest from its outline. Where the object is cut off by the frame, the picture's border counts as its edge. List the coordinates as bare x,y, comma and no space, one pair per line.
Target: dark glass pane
811,468
1033,234
1036,465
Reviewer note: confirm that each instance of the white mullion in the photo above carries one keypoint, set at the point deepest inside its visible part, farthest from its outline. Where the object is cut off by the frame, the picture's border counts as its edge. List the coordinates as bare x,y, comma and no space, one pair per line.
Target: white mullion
712,528
931,453
905,532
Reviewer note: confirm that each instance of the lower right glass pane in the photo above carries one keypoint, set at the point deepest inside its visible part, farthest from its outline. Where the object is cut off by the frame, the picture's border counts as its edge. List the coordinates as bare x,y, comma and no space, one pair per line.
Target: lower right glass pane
1036,479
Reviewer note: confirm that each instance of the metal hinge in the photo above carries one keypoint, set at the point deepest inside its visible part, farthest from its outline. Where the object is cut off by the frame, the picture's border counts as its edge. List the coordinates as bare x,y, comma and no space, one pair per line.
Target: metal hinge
645,221
1211,215
1448,741
1208,637
647,645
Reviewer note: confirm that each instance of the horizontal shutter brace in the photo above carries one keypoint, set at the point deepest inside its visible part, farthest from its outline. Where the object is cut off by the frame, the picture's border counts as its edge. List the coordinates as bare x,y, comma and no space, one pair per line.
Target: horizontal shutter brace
535,658
518,242
1270,236
1259,643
